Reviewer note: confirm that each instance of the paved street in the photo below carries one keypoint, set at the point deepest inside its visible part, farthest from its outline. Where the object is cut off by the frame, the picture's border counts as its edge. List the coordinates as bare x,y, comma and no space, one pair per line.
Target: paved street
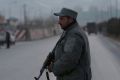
24,60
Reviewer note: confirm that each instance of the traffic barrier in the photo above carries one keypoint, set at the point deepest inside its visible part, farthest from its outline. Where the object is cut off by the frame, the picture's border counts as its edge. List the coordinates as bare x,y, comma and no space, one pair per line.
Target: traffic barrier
20,35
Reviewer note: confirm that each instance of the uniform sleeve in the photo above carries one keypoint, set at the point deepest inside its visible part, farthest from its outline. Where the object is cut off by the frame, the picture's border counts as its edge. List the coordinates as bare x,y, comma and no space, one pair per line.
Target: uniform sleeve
71,56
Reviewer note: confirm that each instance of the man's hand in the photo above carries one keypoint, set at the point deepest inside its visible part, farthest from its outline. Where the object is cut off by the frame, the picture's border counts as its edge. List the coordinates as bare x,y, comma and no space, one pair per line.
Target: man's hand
50,67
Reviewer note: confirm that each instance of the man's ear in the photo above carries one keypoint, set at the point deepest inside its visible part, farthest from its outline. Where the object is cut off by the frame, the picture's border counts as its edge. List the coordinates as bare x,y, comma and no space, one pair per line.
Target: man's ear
71,20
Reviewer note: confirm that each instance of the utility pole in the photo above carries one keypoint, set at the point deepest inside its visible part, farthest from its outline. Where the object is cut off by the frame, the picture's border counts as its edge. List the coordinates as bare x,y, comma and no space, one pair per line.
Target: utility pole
27,35
25,14
110,8
116,8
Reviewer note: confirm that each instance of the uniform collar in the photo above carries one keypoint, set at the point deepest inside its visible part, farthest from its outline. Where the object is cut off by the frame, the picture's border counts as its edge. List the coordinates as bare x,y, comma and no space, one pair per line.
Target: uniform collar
71,26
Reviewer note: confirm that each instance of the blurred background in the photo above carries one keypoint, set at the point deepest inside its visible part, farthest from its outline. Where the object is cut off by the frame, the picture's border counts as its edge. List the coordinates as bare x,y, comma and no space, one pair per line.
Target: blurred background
27,15
33,32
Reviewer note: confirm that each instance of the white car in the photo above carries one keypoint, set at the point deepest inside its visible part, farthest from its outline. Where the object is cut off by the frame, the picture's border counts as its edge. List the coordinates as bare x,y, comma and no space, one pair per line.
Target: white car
12,38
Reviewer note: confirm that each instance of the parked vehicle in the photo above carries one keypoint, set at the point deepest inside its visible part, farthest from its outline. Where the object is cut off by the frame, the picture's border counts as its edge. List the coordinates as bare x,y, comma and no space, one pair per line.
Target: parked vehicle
2,37
91,28
7,36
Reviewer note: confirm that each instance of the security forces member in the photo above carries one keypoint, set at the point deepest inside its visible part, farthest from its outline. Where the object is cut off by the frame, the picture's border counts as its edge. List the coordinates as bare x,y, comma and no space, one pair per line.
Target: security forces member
71,53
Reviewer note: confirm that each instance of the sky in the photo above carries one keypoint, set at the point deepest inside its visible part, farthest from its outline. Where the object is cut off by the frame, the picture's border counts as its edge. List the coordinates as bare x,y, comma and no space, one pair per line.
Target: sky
42,8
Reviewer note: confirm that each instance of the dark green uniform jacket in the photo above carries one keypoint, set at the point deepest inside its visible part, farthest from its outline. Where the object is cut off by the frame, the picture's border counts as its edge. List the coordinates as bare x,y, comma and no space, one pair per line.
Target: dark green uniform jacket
72,55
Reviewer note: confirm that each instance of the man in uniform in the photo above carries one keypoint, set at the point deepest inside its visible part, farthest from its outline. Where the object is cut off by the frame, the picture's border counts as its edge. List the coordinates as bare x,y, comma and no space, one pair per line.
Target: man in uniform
71,54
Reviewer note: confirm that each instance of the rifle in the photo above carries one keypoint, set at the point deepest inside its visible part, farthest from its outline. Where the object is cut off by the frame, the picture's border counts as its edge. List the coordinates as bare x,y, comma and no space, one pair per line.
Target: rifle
47,62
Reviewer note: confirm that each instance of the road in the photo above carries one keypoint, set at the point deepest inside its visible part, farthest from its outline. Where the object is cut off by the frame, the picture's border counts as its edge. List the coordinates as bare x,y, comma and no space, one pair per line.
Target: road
105,63
23,61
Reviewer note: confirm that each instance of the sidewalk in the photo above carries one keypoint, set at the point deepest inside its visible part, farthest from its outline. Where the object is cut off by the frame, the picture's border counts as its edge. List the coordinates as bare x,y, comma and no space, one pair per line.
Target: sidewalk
117,43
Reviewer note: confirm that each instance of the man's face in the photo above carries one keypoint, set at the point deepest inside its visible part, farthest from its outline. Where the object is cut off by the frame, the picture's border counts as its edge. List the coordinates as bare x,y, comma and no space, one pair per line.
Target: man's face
64,21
